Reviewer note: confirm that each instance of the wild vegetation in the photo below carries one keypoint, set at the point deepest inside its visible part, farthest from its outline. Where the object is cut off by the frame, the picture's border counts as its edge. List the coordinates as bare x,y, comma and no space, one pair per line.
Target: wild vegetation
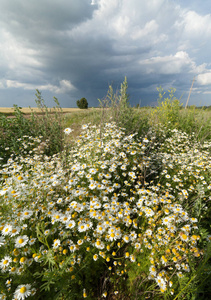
112,203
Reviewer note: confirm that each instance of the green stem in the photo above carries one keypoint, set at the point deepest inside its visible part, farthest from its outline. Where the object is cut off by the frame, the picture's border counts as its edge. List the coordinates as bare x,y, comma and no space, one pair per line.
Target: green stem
185,287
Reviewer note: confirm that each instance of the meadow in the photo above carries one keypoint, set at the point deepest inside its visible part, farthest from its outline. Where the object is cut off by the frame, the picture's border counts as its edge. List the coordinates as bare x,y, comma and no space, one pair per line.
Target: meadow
107,203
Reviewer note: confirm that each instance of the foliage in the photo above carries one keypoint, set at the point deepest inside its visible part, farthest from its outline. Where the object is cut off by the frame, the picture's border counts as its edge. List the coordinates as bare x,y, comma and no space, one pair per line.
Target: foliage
196,120
43,124
116,107
170,114
82,103
168,108
112,215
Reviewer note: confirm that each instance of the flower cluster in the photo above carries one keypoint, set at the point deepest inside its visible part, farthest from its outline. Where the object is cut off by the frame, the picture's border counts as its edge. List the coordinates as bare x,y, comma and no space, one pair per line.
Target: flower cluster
98,207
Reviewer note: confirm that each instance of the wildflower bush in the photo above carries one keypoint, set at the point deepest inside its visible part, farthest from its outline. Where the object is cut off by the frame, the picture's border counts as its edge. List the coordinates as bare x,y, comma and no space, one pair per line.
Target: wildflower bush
111,213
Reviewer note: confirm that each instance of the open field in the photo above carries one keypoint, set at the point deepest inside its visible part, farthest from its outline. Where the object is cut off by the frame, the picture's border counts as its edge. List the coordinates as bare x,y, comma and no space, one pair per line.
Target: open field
28,110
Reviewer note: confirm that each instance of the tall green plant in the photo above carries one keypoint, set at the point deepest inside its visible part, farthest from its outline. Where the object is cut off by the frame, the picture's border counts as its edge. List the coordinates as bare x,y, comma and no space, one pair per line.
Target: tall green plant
168,108
45,123
49,124
116,106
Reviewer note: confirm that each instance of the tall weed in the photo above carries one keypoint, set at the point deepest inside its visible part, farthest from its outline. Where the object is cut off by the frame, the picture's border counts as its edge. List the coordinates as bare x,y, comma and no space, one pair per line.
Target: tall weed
116,107
45,124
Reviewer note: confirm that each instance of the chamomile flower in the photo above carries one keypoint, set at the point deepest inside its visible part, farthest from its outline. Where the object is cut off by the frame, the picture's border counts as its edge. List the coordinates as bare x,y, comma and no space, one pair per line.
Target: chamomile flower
70,224
7,229
5,262
56,243
22,292
15,231
95,257
68,131
26,214
21,241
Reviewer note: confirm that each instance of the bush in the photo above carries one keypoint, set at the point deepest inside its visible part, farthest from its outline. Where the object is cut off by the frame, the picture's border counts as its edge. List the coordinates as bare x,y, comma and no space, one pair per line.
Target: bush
83,104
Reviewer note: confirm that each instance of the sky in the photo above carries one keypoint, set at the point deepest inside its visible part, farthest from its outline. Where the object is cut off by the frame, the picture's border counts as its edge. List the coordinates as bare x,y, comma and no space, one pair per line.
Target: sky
71,49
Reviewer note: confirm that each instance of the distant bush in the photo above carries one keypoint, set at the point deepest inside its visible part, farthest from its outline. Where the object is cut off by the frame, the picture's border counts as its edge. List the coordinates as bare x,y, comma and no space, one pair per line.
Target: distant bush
83,103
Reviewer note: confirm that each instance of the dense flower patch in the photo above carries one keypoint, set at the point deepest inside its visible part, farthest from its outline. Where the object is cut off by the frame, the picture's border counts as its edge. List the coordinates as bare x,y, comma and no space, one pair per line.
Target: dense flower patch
110,202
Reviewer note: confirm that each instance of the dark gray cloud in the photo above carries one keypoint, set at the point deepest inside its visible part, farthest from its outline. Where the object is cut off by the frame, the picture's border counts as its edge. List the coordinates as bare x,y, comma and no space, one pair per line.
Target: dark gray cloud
72,49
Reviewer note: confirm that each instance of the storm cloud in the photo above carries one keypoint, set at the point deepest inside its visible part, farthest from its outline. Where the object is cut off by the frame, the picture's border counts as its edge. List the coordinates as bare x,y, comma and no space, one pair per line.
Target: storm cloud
73,49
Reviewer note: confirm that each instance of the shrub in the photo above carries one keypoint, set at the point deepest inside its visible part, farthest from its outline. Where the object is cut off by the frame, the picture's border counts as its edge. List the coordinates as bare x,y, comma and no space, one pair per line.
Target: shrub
82,103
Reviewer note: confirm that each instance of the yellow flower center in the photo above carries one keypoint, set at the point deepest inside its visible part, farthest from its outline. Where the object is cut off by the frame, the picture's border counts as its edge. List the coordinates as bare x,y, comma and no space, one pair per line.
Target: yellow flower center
20,241
23,290
13,269
184,236
22,259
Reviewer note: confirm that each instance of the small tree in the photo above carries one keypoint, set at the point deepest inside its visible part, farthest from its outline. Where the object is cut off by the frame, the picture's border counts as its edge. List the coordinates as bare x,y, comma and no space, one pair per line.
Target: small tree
83,103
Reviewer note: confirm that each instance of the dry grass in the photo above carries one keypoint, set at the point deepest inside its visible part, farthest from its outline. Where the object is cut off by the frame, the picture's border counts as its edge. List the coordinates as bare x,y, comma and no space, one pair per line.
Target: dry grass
28,110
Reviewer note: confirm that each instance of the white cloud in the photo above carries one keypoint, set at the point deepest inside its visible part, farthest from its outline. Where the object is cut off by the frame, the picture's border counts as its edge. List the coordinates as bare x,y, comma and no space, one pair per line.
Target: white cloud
65,86
196,25
204,79
150,27
170,64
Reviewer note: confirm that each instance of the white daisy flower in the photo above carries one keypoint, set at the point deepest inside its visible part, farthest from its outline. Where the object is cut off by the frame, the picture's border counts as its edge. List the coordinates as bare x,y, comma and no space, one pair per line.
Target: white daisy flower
22,292
56,243
85,126
70,224
32,241
21,241
15,231
5,262
7,229
95,257
68,131
126,238
26,214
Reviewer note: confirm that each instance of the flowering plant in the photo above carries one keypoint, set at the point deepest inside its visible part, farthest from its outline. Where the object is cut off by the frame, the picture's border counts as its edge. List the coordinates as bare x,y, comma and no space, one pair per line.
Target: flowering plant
75,228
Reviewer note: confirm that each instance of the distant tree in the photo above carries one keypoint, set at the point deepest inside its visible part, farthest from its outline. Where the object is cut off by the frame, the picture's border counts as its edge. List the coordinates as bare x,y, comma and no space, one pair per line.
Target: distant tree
83,103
